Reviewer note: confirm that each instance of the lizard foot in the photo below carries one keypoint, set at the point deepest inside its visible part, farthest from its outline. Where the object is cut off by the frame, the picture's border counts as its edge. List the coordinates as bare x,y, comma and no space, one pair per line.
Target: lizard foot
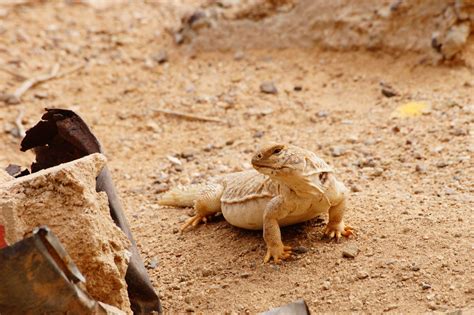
277,253
194,221
338,230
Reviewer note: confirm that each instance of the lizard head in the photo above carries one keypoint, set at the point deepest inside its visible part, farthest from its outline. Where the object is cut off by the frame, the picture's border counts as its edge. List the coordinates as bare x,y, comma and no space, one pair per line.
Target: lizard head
279,161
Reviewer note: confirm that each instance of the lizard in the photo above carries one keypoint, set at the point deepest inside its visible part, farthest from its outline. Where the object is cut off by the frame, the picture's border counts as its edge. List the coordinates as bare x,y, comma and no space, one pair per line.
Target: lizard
287,185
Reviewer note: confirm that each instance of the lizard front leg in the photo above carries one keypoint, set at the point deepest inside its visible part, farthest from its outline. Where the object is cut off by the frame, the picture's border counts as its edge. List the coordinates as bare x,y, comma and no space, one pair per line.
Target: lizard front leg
208,204
336,227
274,211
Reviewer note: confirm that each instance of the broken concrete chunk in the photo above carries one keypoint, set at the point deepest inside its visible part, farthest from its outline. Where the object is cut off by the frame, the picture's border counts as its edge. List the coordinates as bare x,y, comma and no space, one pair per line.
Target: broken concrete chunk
64,197
4,176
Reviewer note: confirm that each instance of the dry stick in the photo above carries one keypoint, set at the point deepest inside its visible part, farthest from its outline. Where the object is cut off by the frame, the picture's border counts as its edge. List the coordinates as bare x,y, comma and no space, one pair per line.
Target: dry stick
187,116
26,85
19,126
15,74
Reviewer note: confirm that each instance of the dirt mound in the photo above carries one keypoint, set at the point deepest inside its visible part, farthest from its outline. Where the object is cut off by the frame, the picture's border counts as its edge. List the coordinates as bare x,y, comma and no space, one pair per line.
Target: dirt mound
438,29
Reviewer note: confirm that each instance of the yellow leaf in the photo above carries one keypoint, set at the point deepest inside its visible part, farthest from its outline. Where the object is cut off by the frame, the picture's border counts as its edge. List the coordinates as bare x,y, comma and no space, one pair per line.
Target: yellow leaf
410,109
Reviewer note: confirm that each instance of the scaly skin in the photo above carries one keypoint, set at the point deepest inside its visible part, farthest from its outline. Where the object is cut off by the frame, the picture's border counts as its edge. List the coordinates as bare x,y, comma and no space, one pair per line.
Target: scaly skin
289,185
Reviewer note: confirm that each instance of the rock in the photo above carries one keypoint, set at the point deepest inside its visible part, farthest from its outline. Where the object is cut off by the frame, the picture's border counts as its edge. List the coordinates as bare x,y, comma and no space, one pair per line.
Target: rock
153,263
245,275
182,218
350,251
161,188
268,87
160,57
421,168
390,307
425,286
455,40
259,134
326,285
175,230
378,171
355,188
337,151
297,88
189,309
362,274
239,55
300,249
387,90
442,164
173,160
64,197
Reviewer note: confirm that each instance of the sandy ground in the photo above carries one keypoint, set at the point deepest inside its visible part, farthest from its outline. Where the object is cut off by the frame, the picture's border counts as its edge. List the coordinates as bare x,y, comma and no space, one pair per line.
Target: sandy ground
412,178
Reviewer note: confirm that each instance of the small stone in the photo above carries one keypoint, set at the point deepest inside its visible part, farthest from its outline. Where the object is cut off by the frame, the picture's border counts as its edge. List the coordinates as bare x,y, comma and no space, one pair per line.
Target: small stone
173,160
362,274
175,230
153,263
161,188
298,88
337,151
300,249
355,188
421,168
259,134
441,164
326,285
160,57
322,114
183,218
245,275
425,286
268,87
414,267
350,251
391,307
432,306
387,90
189,309
239,55
377,172
458,132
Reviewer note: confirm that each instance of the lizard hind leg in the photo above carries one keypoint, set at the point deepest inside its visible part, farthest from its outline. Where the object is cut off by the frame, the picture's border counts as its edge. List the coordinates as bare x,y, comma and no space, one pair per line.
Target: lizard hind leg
206,205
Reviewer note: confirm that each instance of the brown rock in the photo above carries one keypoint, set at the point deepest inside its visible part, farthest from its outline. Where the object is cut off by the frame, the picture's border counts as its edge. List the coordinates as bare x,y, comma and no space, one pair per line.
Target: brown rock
64,198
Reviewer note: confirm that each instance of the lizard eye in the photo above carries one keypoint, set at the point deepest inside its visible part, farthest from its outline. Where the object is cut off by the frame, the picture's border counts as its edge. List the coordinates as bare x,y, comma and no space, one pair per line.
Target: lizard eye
276,151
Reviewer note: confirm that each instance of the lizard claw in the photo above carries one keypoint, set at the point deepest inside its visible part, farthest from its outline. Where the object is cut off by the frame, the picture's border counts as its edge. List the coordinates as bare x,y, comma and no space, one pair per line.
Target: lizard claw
277,253
338,230
194,221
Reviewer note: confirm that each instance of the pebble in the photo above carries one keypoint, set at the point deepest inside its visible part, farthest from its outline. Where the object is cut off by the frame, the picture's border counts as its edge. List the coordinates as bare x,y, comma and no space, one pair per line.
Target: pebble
337,151
298,88
245,275
160,57
387,90
362,274
175,230
421,168
425,286
153,263
161,188
356,188
268,87
173,160
377,172
189,309
182,218
391,307
326,285
239,55
441,164
350,251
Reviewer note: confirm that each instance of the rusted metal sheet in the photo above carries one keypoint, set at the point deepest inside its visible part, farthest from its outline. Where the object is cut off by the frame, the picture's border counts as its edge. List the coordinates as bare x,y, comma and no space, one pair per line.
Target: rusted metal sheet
39,277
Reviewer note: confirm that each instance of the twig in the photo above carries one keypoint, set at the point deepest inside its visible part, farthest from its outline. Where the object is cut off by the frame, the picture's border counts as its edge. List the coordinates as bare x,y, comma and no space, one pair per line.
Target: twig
15,98
19,125
188,116
19,76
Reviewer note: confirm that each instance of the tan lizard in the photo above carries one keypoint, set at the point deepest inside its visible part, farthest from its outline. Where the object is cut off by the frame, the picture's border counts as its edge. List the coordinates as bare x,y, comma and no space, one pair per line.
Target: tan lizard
288,185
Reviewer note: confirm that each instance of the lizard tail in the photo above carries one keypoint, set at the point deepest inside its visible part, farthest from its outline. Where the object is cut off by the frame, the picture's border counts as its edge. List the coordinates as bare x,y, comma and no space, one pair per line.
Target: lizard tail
181,197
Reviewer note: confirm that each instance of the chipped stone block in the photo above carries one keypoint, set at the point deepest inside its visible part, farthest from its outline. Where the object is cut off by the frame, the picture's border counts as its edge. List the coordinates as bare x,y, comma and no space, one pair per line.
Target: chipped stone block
64,198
